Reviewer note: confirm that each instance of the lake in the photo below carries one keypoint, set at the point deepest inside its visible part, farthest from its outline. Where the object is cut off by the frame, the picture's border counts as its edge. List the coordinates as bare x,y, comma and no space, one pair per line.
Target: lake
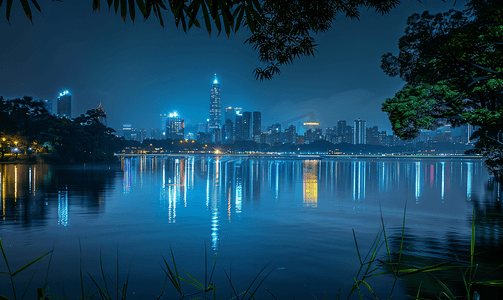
294,216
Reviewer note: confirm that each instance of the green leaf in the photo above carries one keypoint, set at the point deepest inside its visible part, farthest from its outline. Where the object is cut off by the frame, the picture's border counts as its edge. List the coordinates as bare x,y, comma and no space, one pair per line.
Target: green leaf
7,11
240,12
131,10
141,7
26,8
496,283
369,288
34,3
206,16
4,255
29,264
123,6
96,5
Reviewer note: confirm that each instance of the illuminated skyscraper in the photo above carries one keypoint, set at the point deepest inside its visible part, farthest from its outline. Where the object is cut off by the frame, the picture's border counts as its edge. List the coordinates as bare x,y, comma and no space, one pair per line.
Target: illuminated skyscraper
215,107
359,132
174,127
65,105
127,131
257,124
164,117
238,127
247,126
230,113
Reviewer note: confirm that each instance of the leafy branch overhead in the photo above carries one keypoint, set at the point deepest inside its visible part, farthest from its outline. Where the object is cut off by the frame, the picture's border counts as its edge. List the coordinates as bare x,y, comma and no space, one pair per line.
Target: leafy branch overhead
281,30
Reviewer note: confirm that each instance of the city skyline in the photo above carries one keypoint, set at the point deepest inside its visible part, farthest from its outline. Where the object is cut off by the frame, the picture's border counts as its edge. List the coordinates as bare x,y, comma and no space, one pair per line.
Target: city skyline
140,71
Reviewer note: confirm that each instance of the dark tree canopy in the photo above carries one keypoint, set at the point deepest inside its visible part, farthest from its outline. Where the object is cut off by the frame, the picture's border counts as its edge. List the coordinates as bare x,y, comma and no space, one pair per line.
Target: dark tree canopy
452,64
28,125
281,30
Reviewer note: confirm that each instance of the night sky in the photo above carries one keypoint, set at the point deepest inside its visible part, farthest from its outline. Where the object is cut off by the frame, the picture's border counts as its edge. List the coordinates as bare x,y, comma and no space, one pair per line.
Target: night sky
140,71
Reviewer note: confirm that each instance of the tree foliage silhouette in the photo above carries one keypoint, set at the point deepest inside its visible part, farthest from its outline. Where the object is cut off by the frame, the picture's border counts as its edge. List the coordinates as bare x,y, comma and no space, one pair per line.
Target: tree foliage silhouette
452,64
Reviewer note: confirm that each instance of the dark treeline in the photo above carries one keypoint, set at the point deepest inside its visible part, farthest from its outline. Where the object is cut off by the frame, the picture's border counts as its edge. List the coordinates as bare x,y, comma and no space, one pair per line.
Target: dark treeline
27,127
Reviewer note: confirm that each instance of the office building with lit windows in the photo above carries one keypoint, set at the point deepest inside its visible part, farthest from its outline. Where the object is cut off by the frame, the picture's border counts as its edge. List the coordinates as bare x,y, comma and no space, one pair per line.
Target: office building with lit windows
65,105
175,127
215,106
247,126
257,124
359,132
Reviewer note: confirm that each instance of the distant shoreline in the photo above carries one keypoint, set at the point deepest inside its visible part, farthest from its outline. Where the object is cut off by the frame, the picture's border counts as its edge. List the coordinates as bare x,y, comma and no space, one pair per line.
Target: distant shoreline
306,155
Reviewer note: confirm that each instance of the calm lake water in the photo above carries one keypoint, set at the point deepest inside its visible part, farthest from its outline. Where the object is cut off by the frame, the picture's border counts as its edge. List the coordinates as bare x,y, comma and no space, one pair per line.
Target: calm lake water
295,213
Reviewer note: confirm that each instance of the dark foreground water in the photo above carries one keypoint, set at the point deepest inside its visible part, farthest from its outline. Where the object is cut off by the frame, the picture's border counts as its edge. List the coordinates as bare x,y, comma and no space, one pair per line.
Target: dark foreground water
295,213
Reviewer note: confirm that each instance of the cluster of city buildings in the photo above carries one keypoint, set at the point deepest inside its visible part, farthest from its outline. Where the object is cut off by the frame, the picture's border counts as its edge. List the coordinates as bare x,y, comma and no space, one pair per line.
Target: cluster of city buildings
63,105
239,125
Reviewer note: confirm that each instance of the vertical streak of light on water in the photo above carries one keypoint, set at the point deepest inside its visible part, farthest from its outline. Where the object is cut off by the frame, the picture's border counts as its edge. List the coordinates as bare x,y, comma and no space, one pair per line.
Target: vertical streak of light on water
442,195
29,180
335,179
418,181
208,186
34,180
2,194
354,180
185,180
380,172
469,181
362,179
126,182
276,188
214,209
239,186
432,175
15,183
63,207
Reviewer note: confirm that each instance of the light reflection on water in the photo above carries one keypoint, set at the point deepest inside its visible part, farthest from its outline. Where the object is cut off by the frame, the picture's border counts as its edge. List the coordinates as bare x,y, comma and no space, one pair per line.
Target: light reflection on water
297,212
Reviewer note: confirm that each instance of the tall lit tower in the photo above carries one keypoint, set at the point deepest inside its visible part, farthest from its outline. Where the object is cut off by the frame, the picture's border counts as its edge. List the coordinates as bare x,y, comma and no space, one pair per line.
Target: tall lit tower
64,105
359,132
215,107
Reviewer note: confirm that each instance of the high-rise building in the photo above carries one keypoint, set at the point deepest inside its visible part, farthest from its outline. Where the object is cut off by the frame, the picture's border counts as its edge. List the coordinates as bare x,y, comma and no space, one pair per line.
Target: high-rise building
230,113
373,136
247,126
142,135
175,127
238,128
164,118
228,132
257,124
291,134
201,127
215,107
359,132
65,105
127,131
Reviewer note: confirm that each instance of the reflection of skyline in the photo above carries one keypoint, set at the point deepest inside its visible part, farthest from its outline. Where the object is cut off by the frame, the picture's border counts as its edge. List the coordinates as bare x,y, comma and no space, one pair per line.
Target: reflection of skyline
232,184
32,194
359,182
310,182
